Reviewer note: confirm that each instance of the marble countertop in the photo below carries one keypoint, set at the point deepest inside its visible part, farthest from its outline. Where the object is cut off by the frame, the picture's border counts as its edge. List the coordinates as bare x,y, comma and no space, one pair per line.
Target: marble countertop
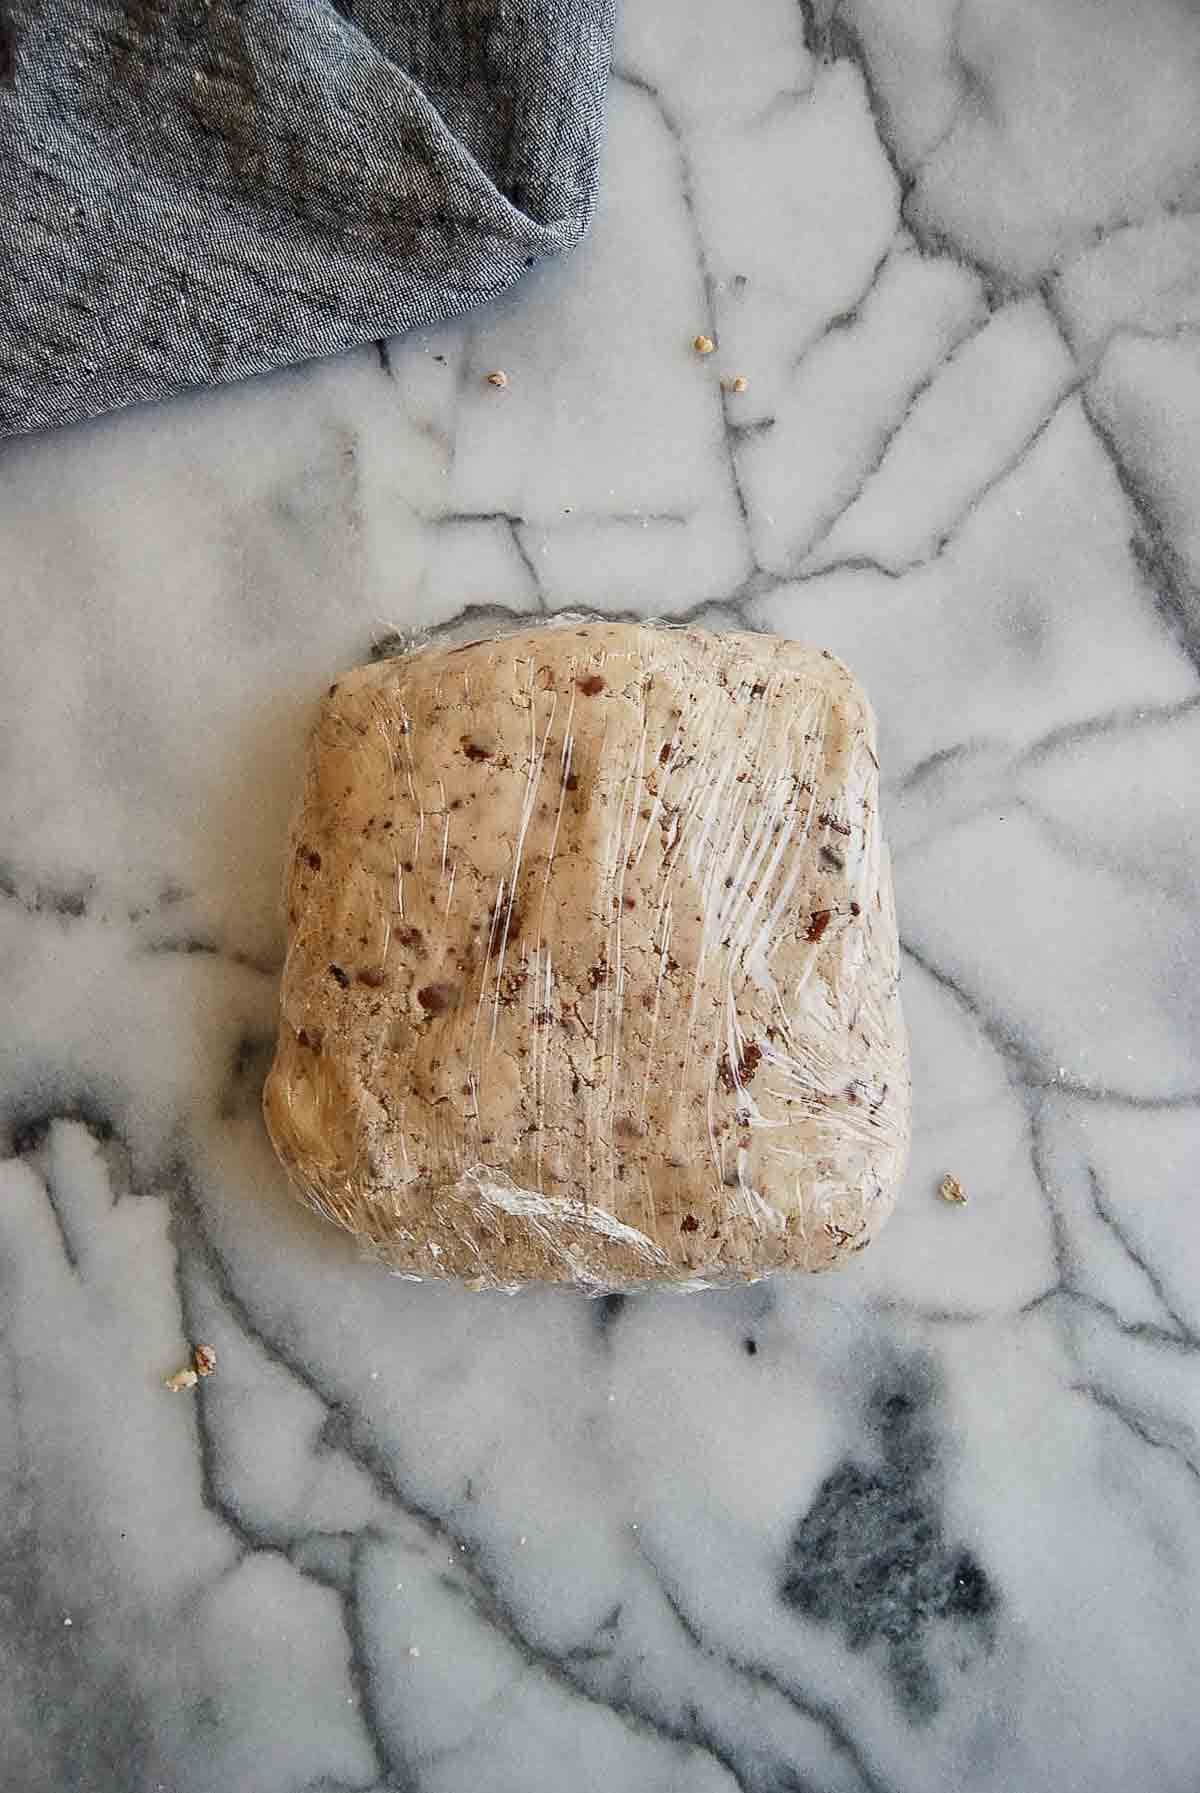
932,1523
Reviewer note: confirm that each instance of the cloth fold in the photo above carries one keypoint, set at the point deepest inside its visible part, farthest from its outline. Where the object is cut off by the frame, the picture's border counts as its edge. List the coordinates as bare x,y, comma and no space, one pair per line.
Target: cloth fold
194,191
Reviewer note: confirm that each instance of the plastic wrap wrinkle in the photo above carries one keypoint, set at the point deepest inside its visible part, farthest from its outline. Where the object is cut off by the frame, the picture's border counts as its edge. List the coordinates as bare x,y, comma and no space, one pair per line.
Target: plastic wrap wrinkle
592,968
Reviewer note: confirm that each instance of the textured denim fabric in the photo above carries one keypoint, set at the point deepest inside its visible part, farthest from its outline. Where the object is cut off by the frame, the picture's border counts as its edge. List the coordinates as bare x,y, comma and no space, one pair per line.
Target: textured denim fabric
193,191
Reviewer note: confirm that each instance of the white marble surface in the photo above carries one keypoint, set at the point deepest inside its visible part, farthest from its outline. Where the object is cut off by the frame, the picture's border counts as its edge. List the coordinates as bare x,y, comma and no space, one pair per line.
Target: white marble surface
930,1524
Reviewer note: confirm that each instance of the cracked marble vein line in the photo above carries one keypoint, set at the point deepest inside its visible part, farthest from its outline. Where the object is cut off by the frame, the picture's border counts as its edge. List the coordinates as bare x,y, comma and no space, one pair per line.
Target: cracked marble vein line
931,1316
971,84
819,1712
1066,1293
1092,850
400,1774
53,1202
1106,1216
1130,717
850,563
578,514
191,946
1034,1094
74,907
42,899
933,763
994,480
674,130
849,318
708,286
1137,1423
1161,566
512,521
1083,1092
841,42
1125,329
825,527
699,1737
1144,1332
466,332
746,432
1066,1290
1015,1054
515,526
253,1538
478,1587
1028,1073
1060,1244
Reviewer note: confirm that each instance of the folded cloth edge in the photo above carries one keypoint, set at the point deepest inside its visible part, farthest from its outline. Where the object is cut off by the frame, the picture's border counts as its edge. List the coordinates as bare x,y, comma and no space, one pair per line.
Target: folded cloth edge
188,204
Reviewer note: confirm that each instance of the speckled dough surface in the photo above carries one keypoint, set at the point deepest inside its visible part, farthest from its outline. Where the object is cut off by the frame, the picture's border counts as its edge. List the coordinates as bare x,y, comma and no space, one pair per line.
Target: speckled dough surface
592,968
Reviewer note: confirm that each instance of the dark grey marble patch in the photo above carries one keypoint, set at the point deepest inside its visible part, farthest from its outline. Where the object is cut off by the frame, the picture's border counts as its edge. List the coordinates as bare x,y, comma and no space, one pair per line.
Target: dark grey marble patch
872,1557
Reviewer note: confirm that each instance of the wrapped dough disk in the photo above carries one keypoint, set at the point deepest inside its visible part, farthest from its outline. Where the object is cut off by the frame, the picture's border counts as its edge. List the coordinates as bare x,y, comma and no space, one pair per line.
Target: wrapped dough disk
592,967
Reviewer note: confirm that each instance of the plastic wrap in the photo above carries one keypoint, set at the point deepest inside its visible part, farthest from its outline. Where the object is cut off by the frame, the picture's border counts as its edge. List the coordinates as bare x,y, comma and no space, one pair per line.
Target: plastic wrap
592,967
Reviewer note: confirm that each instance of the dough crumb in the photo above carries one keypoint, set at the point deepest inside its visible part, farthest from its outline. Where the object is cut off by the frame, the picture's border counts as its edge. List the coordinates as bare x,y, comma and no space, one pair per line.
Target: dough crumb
204,1359
180,1380
951,1190
498,378
703,345
738,383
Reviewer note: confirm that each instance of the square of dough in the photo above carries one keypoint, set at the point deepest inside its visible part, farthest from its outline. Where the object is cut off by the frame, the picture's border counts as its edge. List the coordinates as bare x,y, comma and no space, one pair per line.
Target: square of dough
592,966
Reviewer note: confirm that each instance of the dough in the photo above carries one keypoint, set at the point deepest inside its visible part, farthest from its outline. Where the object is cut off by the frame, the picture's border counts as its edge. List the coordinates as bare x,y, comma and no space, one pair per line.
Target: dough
592,967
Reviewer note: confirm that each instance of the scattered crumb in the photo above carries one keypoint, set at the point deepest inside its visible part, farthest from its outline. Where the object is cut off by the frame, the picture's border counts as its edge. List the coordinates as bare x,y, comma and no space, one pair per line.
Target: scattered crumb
413,1650
498,378
951,1190
204,1359
738,383
180,1380
522,1540
67,1619
703,345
